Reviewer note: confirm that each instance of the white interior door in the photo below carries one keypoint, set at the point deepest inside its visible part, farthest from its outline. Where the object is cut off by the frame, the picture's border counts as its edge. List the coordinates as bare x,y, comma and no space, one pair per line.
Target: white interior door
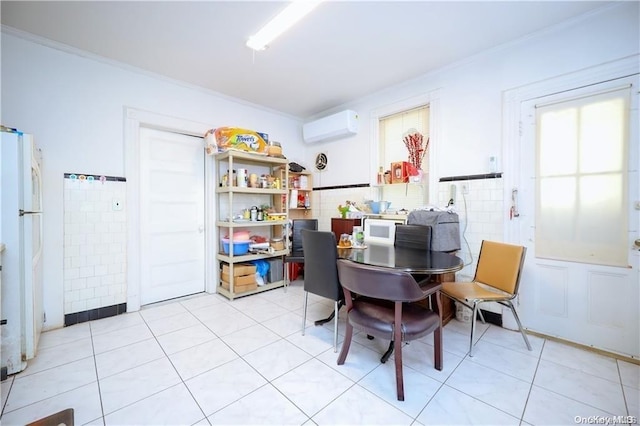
172,238
592,303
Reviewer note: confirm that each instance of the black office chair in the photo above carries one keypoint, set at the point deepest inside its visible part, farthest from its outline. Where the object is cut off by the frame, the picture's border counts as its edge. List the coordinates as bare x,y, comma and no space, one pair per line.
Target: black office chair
413,236
296,251
376,301
321,275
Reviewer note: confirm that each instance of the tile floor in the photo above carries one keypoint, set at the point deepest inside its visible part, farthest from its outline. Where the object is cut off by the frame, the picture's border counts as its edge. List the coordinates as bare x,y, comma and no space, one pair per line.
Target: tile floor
204,360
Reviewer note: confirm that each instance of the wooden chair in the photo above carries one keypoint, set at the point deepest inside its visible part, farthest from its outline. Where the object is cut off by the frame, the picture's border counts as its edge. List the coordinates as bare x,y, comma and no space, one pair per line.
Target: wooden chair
376,300
497,279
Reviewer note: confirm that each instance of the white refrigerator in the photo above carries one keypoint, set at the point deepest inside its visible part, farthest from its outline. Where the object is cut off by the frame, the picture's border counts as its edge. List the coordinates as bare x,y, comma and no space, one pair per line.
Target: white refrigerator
21,232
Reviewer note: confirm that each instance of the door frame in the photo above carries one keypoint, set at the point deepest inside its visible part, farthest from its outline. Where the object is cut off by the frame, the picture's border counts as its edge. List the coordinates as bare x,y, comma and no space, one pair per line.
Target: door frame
512,101
512,127
134,119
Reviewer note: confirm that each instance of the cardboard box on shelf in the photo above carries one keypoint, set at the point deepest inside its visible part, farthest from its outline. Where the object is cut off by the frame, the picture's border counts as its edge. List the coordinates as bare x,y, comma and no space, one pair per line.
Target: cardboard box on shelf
240,288
239,279
239,269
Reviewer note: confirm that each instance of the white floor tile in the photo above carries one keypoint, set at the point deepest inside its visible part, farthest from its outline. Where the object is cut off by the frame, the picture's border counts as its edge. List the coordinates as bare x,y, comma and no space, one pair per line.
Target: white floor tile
120,338
548,408
161,326
122,359
315,341
265,406
245,361
358,406
201,358
491,387
579,359
85,401
420,357
48,383
507,361
630,374
64,335
59,355
185,338
418,388
274,360
575,384
285,325
201,301
224,385
225,325
135,384
249,339
513,340
172,406
360,361
114,323
312,386
162,310
452,407
632,397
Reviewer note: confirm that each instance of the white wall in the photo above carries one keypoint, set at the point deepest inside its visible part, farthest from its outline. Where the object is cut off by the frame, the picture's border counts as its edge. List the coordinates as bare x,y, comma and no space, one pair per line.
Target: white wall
470,121
471,92
74,106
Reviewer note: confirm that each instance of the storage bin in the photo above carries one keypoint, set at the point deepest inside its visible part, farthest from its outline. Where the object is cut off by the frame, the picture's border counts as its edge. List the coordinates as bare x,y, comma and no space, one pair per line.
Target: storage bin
239,247
276,271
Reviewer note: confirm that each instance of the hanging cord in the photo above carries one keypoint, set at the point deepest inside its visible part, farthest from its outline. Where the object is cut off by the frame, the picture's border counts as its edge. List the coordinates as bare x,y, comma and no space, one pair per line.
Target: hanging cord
464,230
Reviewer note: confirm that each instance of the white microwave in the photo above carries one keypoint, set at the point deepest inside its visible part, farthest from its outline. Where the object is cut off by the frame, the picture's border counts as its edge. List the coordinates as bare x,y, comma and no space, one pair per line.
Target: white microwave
380,231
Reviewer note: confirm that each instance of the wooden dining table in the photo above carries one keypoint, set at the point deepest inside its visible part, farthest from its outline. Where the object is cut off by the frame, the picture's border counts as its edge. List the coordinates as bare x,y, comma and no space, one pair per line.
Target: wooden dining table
433,264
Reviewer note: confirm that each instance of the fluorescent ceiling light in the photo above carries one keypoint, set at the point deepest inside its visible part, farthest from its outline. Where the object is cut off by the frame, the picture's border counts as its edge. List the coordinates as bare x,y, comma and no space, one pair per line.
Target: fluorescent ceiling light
282,22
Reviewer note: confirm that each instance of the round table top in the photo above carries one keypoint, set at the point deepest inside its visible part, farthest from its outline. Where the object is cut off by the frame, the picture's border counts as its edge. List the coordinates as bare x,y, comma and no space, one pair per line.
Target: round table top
403,258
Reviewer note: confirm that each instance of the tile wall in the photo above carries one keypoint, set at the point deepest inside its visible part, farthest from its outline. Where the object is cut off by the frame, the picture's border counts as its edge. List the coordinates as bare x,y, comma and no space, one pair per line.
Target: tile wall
481,211
94,246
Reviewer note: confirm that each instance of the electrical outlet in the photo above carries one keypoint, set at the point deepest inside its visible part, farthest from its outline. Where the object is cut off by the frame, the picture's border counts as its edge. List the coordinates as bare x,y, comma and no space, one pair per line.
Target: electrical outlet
464,188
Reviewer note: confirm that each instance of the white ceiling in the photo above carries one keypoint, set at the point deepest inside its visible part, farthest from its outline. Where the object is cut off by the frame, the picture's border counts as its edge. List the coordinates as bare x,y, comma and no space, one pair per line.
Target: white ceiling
340,52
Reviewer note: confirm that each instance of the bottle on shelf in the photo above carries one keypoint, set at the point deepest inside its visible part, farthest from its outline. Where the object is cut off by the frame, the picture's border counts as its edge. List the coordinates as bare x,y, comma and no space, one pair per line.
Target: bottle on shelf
307,201
380,176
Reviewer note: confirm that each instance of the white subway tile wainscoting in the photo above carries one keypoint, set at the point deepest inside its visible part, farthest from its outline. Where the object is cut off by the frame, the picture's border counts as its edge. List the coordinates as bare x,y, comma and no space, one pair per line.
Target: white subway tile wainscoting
95,231
129,370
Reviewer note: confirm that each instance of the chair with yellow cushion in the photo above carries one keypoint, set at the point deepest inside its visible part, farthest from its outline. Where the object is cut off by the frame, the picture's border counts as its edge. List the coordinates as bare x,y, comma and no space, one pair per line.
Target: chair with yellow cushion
497,279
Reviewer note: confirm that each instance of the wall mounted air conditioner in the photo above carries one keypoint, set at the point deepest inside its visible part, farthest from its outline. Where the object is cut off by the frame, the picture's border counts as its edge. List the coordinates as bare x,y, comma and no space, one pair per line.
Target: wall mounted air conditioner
335,126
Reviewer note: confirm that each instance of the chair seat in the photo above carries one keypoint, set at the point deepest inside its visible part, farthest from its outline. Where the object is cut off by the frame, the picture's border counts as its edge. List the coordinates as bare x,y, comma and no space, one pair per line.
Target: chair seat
376,319
471,291
294,257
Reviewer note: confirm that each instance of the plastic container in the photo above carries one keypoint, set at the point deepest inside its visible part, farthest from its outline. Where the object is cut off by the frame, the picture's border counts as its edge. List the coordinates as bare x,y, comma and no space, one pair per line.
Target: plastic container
378,207
239,247
277,243
463,314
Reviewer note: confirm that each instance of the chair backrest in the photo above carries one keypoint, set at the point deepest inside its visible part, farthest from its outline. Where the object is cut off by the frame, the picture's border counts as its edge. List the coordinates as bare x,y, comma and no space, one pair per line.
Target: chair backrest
413,236
297,225
500,265
320,271
379,283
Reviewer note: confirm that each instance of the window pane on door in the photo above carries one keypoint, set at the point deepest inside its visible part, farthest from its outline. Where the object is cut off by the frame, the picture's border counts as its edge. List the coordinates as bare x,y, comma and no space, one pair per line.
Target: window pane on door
581,198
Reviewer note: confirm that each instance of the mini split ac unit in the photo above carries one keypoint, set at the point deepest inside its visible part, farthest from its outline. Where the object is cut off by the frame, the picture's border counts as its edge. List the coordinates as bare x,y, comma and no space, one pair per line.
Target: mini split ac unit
336,126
